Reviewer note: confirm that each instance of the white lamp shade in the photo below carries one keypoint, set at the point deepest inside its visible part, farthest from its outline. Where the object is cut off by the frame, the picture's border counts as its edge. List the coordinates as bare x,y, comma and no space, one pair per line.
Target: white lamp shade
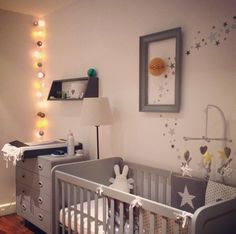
96,112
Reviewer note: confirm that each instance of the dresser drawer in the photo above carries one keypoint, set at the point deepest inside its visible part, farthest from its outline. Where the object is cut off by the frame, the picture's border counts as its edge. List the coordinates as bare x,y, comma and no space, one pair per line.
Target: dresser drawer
39,199
33,180
36,165
37,216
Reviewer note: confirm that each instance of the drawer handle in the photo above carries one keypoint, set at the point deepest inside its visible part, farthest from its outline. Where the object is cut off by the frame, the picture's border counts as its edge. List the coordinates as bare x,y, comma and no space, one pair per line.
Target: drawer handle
40,184
40,167
24,207
40,217
40,200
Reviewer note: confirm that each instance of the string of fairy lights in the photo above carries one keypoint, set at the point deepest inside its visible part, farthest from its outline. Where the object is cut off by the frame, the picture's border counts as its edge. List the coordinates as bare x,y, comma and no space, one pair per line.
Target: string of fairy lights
39,34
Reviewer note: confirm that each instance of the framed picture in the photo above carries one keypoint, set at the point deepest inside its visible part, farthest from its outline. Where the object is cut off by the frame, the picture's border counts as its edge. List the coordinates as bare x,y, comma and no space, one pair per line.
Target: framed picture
160,71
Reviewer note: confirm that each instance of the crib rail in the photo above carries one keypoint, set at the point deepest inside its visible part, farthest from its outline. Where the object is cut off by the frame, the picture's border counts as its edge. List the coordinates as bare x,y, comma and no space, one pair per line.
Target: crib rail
143,215
151,183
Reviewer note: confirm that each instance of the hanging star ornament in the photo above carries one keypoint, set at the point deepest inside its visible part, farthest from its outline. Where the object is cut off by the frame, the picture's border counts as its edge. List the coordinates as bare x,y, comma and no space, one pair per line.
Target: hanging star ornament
207,158
186,198
186,170
222,155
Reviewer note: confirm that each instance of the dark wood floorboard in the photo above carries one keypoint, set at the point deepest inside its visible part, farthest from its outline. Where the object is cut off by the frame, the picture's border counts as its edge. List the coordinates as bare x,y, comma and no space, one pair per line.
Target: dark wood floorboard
13,224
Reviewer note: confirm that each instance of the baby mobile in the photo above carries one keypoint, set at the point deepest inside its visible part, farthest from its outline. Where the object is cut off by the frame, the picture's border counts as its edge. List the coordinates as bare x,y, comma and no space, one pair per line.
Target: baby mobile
39,84
225,169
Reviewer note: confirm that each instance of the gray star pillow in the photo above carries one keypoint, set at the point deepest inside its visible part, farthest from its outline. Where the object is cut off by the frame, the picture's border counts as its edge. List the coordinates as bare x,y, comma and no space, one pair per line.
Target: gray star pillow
187,193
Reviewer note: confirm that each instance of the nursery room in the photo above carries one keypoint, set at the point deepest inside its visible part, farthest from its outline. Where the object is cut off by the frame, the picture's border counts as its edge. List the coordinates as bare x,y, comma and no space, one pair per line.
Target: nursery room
118,116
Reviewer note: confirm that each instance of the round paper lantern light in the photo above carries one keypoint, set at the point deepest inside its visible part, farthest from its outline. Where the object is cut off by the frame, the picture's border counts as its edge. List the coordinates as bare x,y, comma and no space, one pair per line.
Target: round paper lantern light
156,66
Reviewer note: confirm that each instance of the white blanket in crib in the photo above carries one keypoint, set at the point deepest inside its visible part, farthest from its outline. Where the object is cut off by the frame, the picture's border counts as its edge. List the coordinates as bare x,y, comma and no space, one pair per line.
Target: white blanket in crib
85,220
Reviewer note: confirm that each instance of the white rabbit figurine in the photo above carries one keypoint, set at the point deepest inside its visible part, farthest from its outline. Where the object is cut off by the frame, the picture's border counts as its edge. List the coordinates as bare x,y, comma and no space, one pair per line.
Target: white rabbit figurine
121,182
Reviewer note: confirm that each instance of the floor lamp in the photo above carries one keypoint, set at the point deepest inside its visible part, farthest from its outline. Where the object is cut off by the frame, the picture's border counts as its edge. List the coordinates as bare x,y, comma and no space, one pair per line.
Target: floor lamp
96,112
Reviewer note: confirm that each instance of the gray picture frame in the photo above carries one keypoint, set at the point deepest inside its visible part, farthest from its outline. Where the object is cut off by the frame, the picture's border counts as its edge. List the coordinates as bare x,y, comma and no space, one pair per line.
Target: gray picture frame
144,44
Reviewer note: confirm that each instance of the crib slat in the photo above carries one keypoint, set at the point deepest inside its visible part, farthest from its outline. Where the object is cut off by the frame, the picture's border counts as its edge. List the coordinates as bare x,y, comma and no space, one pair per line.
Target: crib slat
135,181
104,214
112,218
142,183
149,185
164,190
69,208
131,221
81,210
140,222
89,211
96,213
121,230
63,206
157,188
75,208
57,208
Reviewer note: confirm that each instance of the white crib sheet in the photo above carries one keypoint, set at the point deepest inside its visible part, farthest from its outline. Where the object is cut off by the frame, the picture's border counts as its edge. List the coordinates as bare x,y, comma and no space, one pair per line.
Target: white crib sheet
85,211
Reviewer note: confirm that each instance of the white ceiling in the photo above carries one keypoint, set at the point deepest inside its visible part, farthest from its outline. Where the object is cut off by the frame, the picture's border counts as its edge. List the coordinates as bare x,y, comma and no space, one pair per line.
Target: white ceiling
37,8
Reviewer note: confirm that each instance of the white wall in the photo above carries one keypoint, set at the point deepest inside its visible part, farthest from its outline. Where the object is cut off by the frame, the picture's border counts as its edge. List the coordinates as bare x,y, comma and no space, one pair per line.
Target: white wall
105,34
16,91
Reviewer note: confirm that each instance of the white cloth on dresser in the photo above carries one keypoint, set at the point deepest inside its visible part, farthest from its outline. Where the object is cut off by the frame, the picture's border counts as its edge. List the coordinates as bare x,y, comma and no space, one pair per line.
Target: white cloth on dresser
218,192
11,153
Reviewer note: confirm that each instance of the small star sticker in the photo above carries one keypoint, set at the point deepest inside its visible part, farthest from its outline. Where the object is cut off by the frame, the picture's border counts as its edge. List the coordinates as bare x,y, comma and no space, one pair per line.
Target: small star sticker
161,88
187,52
187,198
225,24
227,30
198,45
166,75
217,43
203,39
198,32
172,131
212,37
172,65
186,170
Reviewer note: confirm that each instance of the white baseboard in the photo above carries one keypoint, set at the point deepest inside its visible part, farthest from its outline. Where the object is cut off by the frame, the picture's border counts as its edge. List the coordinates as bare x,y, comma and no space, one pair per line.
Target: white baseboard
7,208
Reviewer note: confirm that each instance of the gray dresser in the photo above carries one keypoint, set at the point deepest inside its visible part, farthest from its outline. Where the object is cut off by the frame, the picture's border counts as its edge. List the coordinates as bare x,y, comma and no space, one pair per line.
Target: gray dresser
33,188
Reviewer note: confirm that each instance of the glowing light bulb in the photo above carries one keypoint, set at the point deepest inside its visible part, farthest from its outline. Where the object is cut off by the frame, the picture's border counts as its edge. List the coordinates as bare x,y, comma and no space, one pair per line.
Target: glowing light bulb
42,104
37,34
37,85
41,74
42,123
41,23
39,94
38,55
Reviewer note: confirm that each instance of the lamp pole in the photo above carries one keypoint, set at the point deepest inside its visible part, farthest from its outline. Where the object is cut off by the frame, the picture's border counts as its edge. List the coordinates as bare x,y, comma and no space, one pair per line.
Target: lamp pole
97,141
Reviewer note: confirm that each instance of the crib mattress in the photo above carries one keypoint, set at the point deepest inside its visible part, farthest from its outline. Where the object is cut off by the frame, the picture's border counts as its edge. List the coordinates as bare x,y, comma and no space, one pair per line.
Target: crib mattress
85,211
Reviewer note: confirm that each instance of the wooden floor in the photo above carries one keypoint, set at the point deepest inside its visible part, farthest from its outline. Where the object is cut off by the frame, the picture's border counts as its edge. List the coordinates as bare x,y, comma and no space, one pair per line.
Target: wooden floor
13,224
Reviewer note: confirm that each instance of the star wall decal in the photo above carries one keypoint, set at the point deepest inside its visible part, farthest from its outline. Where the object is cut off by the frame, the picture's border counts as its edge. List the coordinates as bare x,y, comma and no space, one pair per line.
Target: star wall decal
172,131
212,37
225,24
172,65
188,52
187,198
217,43
186,170
198,45
207,158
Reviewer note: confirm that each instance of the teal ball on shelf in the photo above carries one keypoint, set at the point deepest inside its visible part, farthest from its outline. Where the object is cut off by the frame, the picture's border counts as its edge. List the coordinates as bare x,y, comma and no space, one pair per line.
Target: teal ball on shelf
91,72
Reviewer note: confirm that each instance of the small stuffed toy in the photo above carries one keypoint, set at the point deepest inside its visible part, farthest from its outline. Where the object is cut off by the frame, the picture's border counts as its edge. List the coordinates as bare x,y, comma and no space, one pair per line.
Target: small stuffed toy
121,182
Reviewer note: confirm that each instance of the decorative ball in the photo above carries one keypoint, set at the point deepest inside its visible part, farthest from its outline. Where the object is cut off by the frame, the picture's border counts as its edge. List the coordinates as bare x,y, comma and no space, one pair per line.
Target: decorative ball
39,43
157,66
91,72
